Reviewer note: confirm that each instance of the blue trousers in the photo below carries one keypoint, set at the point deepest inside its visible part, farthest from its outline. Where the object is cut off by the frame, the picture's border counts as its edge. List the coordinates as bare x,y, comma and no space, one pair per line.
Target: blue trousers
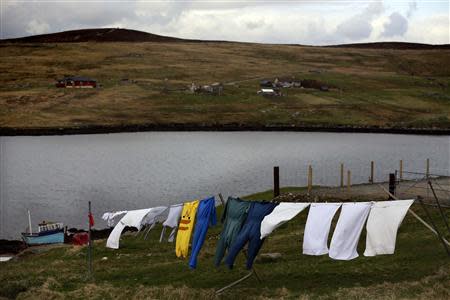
206,216
251,233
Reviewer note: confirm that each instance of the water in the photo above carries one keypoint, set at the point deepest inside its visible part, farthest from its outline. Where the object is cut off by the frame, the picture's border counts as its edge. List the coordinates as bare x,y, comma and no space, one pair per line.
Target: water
55,176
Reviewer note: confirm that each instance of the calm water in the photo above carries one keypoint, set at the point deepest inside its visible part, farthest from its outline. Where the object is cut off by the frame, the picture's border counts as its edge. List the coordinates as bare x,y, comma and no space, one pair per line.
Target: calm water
55,176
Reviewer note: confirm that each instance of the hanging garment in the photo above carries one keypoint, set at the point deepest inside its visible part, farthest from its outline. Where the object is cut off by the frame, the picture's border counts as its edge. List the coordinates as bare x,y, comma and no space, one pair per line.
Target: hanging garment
284,212
233,217
348,230
185,228
133,218
317,229
110,216
206,216
250,232
172,221
382,225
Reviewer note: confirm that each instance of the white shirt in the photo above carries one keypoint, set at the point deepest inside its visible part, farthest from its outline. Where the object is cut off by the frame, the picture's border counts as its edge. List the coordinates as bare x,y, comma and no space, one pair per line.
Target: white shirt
317,229
382,225
348,230
282,213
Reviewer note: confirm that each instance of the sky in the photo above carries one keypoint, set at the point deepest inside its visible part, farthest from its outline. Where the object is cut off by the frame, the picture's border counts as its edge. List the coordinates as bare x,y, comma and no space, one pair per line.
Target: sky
311,22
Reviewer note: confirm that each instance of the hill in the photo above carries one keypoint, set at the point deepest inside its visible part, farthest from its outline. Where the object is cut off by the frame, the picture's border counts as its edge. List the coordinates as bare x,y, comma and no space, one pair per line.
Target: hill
145,86
129,35
95,35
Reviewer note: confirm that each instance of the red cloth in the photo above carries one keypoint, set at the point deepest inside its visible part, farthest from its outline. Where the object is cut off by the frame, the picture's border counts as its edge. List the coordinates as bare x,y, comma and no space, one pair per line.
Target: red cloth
80,238
91,220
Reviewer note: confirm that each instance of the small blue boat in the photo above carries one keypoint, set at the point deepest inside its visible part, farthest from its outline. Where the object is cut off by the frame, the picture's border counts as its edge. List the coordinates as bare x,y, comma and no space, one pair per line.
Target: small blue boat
41,238
48,233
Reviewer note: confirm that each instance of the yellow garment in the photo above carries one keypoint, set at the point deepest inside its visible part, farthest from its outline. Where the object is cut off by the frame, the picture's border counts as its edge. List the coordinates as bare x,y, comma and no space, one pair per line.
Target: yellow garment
185,228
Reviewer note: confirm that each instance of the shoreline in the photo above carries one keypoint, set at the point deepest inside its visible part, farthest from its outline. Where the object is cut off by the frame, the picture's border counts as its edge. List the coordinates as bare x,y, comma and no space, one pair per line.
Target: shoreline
104,129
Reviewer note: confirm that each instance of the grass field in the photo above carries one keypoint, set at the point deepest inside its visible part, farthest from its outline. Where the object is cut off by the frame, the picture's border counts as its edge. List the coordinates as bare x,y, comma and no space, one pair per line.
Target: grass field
419,269
372,87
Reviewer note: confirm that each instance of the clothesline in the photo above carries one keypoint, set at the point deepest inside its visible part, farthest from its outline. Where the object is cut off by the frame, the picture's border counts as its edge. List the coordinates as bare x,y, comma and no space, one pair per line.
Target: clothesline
252,221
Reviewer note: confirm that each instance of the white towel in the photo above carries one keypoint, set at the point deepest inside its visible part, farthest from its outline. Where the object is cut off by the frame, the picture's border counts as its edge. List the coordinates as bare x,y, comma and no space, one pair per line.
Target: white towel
282,213
348,230
315,239
382,225
133,218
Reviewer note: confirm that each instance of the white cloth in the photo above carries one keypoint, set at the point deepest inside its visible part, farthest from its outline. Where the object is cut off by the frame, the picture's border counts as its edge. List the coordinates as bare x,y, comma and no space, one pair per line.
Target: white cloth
317,228
133,218
382,225
348,230
282,213
151,217
110,216
173,219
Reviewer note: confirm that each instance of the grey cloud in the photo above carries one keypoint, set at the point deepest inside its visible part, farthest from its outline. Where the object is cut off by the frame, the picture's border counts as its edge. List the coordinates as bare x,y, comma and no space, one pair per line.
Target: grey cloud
397,25
359,26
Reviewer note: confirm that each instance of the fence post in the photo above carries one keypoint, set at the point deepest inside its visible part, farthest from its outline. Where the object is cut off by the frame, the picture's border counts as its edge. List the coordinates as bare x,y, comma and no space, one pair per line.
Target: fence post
310,178
401,169
342,175
276,181
391,185
372,167
428,168
349,180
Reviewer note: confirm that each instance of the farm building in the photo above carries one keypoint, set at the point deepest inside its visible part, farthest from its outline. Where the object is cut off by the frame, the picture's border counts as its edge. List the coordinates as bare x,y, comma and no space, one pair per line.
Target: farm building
214,88
76,82
269,92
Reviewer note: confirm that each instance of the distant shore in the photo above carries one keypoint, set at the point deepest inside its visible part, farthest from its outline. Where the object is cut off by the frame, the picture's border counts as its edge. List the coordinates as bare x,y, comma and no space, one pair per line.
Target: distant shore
99,129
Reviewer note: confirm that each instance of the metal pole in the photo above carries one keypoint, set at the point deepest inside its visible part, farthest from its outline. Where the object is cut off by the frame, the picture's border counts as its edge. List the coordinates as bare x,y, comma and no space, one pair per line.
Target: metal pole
428,168
434,226
90,244
342,175
439,206
276,181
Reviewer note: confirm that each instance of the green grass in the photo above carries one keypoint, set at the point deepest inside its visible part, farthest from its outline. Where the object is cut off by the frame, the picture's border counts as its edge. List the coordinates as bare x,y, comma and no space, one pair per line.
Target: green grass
391,88
141,268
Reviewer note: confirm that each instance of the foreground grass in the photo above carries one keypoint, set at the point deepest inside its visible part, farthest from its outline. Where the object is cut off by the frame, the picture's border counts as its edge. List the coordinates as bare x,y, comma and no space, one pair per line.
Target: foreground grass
390,88
142,269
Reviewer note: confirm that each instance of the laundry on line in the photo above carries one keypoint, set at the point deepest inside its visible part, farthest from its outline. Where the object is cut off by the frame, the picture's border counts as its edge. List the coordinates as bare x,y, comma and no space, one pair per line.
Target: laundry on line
250,222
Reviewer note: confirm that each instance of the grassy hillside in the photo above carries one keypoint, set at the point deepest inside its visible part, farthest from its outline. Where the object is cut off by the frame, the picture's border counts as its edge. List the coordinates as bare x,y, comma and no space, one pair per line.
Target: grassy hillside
379,87
140,269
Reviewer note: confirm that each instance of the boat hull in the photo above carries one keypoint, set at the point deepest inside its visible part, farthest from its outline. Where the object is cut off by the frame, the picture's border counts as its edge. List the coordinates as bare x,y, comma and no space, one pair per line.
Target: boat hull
35,239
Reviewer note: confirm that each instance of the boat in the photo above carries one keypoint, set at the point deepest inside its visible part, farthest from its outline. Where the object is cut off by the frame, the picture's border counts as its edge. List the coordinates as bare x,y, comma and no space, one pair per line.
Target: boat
48,233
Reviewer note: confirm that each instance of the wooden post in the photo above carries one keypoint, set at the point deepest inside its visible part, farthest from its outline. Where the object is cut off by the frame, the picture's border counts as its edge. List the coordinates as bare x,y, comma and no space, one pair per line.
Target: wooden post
401,170
372,167
90,244
391,185
349,180
428,168
276,181
310,178
342,175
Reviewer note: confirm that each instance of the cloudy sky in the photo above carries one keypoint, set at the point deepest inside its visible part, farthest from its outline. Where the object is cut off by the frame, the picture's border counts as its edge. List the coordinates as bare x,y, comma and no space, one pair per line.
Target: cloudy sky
314,22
